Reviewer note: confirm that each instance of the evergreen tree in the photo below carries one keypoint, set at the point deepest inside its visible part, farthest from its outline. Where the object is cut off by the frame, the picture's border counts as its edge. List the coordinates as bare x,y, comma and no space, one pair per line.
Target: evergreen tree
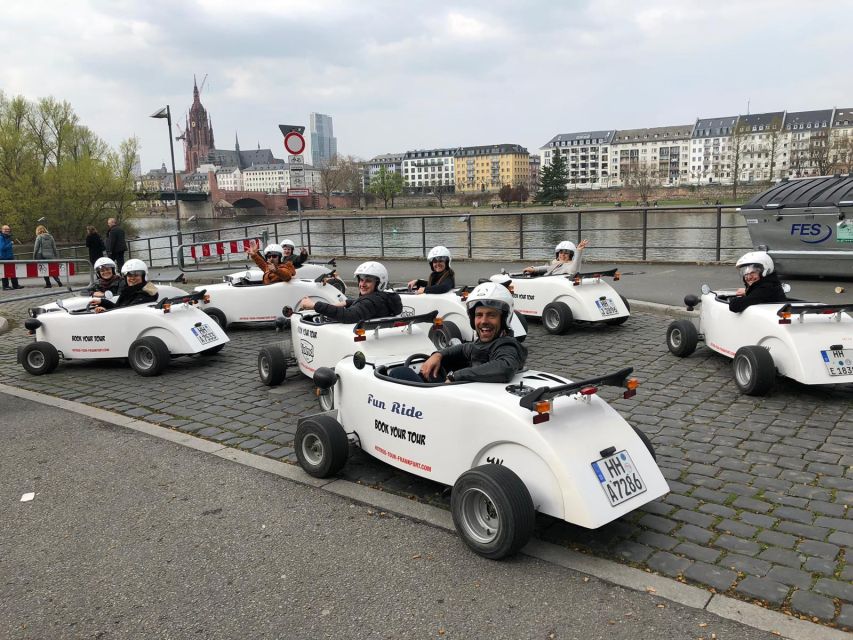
553,180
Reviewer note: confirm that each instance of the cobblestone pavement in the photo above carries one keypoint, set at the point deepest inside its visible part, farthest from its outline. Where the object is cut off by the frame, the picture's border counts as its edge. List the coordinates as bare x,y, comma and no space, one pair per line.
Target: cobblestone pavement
761,488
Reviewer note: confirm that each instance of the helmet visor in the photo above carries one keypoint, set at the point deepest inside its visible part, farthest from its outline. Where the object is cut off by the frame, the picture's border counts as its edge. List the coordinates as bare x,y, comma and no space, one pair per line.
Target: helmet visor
750,268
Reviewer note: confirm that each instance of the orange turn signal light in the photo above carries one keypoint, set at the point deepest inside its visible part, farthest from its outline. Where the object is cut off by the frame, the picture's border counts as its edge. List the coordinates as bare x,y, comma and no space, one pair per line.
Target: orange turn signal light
167,307
576,281
632,383
359,335
617,276
543,406
206,298
438,321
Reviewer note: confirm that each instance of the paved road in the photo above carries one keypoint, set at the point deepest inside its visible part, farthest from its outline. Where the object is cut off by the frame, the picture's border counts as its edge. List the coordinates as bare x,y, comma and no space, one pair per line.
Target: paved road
762,488
129,536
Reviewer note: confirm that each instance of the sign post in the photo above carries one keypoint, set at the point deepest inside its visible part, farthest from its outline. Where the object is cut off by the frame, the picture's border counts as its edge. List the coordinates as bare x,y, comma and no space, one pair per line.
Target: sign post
294,144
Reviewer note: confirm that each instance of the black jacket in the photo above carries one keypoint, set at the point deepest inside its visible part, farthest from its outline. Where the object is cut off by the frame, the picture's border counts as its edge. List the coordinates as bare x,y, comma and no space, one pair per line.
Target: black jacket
95,245
434,286
767,289
297,259
495,361
115,241
144,293
379,304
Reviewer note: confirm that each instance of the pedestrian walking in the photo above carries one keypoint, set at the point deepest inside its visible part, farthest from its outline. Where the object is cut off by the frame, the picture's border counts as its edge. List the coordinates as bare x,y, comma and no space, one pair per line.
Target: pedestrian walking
115,244
45,249
7,252
95,244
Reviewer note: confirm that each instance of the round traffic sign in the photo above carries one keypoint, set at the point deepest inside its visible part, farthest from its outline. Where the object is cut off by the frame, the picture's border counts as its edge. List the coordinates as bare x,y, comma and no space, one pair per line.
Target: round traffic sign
294,143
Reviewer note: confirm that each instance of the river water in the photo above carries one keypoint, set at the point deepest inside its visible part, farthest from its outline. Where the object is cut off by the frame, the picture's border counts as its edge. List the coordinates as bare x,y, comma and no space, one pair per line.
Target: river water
671,235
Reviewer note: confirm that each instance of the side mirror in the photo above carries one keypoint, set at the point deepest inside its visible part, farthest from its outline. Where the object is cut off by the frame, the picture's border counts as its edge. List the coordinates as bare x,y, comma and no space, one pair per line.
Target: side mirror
705,289
287,311
359,360
690,301
325,378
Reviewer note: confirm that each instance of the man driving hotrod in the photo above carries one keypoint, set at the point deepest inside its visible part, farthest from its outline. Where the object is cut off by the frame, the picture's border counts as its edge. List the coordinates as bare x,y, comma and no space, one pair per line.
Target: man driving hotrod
495,355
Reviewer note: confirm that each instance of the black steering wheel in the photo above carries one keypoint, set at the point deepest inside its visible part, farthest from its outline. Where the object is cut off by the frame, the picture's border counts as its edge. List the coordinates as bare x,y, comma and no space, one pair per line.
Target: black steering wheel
422,357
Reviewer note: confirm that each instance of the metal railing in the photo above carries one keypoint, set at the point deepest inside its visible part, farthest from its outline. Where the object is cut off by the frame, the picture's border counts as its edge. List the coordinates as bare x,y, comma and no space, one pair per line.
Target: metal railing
677,234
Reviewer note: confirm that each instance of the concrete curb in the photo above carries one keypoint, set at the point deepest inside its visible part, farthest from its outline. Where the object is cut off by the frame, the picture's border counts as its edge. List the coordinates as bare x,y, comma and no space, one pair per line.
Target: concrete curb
729,608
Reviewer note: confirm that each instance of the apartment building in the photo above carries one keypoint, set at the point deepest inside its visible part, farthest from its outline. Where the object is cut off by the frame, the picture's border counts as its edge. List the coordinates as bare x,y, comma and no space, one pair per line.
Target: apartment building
759,148
658,153
710,150
229,178
423,170
841,141
587,156
807,134
393,163
485,169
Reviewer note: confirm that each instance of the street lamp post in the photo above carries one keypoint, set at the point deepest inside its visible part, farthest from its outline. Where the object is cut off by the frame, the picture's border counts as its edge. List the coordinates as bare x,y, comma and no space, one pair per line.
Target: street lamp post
165,112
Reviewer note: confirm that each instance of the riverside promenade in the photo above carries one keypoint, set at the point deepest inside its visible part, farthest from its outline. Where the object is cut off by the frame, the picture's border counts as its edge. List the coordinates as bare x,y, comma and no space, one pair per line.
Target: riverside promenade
761,488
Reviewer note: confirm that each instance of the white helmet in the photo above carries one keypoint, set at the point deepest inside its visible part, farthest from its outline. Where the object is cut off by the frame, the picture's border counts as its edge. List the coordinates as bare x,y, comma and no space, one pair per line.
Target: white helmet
490,294
375,270
287,242
502,279
100,263
755,260
134,264
439,252
565,245
274,248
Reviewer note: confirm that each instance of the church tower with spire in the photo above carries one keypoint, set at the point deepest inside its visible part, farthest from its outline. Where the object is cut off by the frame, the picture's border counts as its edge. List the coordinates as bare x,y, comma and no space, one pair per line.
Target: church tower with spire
198,135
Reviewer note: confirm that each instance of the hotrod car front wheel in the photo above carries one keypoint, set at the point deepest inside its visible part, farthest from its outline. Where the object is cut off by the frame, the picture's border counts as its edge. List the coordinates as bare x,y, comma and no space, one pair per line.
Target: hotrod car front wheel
681,338
557,317
272,366
321,446
442,334
492,510
148,356
217,316
754,370
39,358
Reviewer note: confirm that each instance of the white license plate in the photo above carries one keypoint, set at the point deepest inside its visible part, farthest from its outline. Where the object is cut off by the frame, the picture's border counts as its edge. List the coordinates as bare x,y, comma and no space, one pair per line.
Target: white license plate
619,478
204,334
606,307
839,362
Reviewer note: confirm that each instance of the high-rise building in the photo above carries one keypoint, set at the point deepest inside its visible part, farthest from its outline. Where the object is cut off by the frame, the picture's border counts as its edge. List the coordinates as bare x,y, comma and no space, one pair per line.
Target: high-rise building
324,144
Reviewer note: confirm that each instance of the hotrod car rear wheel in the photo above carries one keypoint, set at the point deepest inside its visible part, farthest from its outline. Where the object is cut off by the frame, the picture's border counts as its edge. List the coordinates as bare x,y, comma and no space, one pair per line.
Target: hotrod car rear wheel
623,319
321,446
217,316
442,334
492,510
148,356
272,366
754,370
557,317
681,338
39,358
646,442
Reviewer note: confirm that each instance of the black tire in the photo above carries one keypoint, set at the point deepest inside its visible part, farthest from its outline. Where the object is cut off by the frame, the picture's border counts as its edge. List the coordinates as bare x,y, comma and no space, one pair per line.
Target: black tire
442,335
617,321
492,511
557,317
39,358
646,442
321,446
148,356
217,316
338,284
327,399
523,322
754,370
272,366
213,350
681,338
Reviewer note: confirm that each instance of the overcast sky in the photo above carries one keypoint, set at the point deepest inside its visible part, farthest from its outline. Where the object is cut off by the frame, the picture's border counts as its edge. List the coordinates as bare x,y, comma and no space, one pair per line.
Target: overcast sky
406,74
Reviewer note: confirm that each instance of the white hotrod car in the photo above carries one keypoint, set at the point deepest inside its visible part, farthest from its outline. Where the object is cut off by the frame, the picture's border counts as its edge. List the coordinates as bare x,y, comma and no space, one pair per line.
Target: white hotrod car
316,341
561,300
316,271
240,302
540,443
453,315
148,335
809,342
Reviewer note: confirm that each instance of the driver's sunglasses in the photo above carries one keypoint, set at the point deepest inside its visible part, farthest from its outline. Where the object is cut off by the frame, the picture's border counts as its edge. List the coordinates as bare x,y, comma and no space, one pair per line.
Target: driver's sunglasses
135,274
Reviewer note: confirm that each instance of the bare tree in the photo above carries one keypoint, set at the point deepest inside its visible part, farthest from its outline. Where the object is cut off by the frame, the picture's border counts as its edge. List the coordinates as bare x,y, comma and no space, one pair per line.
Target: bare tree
334,176
819,151
841,154
738,147
773,139
643,179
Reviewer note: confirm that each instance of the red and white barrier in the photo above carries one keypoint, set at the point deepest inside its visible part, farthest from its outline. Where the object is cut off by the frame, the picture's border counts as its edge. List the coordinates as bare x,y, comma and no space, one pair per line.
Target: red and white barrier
37,269
221,248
